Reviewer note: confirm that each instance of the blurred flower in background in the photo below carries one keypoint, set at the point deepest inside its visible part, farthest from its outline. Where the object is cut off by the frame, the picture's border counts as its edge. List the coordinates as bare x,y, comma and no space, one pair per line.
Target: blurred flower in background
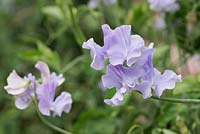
162,6
95,3
43,91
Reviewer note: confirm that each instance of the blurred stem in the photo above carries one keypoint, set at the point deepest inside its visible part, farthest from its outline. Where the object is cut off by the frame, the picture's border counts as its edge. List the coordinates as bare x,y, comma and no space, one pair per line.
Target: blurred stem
173,100
130,131
72,63
77,30
47,123
78,34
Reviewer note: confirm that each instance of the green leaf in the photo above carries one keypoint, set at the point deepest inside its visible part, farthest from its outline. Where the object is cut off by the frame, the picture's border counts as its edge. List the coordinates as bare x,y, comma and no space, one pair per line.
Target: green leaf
53,11
43,53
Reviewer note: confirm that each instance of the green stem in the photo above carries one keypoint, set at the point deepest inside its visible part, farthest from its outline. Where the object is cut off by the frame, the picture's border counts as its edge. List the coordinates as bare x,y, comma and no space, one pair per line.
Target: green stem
130,131
77,30
173,100
72,63
47,123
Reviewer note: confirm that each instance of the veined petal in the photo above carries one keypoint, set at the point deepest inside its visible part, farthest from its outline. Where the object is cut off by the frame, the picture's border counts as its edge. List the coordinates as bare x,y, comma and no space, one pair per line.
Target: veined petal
116,100
22,102
165,81
97,54
117,43
62,104
44,70
145,89
46,93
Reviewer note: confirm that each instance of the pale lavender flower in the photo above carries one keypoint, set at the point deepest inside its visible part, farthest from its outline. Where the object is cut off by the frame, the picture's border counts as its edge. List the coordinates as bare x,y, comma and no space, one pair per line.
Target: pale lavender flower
157,81
46,92
21,88
130,65
43,91
95,3
119,47
164,5
124,79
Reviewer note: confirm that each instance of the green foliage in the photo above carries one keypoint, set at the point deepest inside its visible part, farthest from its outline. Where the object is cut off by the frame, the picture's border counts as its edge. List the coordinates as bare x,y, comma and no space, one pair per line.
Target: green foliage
53,31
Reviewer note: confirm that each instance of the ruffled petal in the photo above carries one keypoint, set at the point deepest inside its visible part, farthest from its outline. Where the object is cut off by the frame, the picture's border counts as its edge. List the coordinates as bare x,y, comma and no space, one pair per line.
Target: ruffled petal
22,102
45,94
116,100
117,44
62,104
165,81
44,70
16,84
97,54
145,89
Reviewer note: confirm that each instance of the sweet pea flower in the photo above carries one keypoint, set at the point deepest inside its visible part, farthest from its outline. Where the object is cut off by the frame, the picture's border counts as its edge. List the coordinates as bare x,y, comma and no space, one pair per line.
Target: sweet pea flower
124,79
157,81
46,92
42,90
130,65
119,47
21,88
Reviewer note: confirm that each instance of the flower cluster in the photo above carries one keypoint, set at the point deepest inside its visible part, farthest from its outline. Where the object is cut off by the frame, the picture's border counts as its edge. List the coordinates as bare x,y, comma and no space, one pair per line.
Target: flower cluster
130,65
163,6
44,89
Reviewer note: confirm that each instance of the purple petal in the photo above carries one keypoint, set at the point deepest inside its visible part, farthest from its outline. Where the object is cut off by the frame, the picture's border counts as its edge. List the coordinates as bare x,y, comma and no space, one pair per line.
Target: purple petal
59,79
106,29
117,44
120,76
44,69
22,102
62,104
135,51
97,54
45,94
165,81
116,100
145,89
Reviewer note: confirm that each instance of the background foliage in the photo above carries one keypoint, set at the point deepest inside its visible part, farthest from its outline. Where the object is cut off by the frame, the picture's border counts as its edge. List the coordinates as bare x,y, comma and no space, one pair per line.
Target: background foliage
53,31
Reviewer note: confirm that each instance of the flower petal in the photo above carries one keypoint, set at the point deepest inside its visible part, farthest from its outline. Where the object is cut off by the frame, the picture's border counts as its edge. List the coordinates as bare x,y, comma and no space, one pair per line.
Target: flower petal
165,81
22,102
117,44
44,69
16,84
116,100
96,53
62,104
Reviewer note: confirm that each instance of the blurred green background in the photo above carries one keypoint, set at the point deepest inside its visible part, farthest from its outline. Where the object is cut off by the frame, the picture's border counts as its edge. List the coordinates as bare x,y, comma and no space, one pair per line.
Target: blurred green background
53,31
